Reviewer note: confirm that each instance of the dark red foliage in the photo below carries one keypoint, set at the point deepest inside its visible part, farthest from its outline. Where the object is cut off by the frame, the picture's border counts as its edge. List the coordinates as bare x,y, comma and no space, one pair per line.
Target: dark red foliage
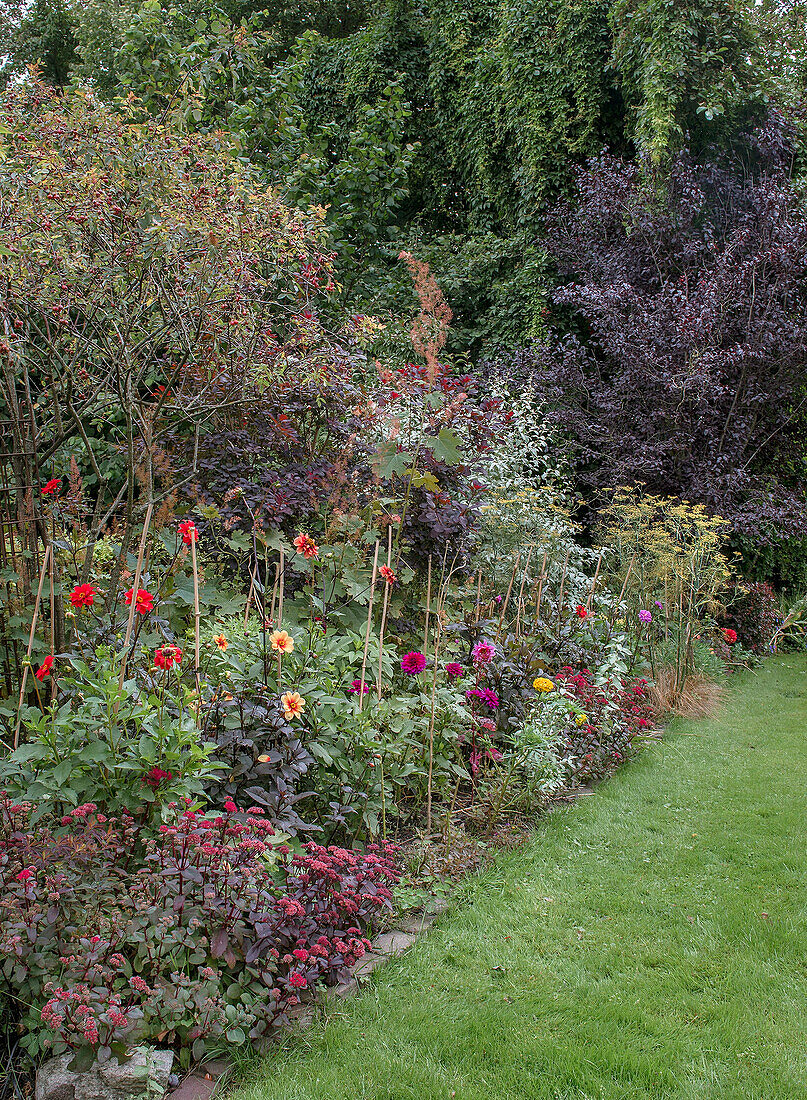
297,449
208,930
304,449
689,299
607,739
755,615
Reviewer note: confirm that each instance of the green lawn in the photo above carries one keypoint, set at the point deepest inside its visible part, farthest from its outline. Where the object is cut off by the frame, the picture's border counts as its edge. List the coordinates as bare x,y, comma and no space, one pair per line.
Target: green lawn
650,942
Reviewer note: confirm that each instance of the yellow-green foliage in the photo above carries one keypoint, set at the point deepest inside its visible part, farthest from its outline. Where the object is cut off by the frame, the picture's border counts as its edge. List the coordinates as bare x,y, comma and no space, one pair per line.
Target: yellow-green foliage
666,549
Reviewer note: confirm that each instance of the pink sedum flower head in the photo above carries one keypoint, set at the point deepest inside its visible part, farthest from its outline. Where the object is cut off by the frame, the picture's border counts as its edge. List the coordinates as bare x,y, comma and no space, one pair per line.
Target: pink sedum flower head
413,663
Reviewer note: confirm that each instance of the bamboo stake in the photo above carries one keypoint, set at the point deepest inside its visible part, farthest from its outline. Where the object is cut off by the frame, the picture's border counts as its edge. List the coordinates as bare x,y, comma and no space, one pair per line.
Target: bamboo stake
367,632
428,606
381,639
52,621
521,590
563,582
478,596
442,573
445,585
627,576
624,586
531,599
197,615
431,734
282,578
594,582
540,590
252,574
135,589
384,614
31,633
507,597
274,594
281,584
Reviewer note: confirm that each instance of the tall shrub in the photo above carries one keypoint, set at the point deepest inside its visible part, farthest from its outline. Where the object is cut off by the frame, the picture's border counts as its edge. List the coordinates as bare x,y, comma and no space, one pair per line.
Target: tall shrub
689,299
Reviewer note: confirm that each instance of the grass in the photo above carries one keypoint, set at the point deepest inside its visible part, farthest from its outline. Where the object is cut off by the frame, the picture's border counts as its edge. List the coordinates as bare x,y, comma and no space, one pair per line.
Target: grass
649,943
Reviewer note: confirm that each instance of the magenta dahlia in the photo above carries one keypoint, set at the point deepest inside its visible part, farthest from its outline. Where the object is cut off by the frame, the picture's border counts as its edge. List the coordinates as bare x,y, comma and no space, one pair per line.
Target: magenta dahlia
413,663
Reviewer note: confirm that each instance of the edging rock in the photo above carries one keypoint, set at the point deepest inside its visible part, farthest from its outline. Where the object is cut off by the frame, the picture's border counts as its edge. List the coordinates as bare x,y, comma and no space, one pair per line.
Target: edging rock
145,1074
199,1084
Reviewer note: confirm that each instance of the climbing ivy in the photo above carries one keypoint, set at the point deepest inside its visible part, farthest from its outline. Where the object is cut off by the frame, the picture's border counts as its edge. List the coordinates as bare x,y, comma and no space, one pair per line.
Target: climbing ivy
682,64
444,127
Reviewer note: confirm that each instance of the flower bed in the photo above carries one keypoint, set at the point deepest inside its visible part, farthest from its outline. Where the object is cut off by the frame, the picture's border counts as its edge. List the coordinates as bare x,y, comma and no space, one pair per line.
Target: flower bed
207,929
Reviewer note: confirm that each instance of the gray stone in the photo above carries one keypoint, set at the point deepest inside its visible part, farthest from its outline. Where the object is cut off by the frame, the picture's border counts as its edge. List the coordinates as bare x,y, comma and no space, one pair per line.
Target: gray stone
216,1067
366,965
54,1081
343,990
436,905
194,1087
144,1074
416,924
393,943
302,1014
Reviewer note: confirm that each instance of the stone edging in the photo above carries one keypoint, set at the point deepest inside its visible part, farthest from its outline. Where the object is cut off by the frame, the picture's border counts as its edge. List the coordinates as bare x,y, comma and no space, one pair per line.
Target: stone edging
202,1081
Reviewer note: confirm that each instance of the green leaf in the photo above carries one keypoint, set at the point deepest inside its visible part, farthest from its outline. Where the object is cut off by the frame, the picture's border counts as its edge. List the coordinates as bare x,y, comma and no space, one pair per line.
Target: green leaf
446,448
147,748
96,752
63,771
425,481
388,460
84,1059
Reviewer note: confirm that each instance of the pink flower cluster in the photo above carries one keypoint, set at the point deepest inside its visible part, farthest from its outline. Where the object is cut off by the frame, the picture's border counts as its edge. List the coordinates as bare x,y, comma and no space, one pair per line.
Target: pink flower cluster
486,696
483,653
615,718
84,1015
206,886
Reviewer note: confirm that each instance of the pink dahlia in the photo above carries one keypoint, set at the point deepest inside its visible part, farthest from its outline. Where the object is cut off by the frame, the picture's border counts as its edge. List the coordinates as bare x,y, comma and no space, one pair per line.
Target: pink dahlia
483,653
413,663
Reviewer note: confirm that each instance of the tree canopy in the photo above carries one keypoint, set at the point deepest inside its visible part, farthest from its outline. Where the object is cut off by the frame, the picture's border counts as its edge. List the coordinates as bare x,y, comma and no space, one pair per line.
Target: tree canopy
444,126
